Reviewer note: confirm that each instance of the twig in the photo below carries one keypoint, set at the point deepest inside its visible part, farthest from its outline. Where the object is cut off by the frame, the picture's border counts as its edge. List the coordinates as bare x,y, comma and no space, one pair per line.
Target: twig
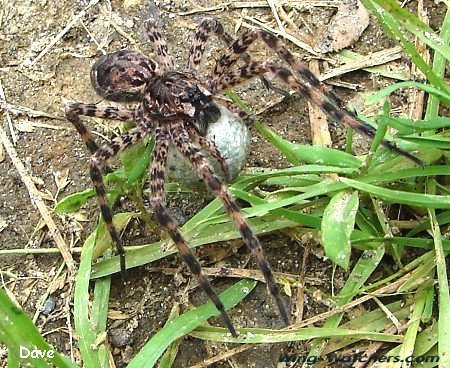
38,202
388,314
44,296
106,11
318,119
376,58
300,300
229,272
74,250
287,36
17,110
69,25
273,8
8,118
385,290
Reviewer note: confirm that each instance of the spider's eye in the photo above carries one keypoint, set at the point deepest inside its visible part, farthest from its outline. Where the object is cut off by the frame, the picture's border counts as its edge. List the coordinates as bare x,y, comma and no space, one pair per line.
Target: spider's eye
123,75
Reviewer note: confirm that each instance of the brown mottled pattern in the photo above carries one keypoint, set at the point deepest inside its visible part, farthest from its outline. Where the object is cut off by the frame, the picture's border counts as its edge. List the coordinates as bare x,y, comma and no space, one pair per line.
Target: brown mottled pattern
201,36
160,45
171,105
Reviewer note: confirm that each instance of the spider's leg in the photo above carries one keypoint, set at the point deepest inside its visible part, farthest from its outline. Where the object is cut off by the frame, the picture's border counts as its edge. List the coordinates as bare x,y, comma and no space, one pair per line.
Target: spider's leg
159,44
181,139
211,148
305,87
98,160
157,172
198,45
74,110
201,37
240,46
230,105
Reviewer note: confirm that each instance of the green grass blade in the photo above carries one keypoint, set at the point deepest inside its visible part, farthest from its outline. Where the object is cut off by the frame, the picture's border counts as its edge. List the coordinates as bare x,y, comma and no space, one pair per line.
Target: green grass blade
436,141
443,290
297,153
439,65
374,321
99,316
184,324
18,330
408,126
414,25
397,196
73,202
85,331
407,347
260,336
171,352
395,30
443,96
422,243
337,225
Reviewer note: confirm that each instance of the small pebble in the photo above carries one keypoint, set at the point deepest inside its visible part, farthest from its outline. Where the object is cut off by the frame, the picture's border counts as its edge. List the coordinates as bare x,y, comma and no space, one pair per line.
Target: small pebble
49,306
120,338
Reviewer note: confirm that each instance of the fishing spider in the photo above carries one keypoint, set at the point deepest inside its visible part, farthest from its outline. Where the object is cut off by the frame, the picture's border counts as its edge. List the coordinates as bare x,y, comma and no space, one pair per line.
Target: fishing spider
175,106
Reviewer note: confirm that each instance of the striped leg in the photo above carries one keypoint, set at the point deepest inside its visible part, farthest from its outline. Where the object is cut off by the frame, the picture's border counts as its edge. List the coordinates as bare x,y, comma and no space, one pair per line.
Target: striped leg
198,45
211,148
240,46
180,137
157,172
201,37
159,44
98,160
74,110
307,85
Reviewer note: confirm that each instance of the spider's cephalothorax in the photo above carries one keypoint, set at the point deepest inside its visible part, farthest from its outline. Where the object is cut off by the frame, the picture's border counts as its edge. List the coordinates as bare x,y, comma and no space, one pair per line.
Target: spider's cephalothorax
175,95
174,107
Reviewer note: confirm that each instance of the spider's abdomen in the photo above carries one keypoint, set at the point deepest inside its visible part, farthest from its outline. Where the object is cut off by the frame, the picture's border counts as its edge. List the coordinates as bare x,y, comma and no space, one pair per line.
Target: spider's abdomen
123,75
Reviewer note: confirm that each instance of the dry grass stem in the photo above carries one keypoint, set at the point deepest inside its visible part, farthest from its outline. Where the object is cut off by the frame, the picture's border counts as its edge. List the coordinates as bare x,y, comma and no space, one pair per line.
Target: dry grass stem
7,117
287,36
417,96
228,354
388,289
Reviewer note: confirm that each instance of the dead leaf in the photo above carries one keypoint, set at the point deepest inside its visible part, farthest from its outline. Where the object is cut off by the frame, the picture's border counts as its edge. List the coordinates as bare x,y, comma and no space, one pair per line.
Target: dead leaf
118,315
2,153
61,179
46,195
58,283
80,216
3,224
351,19
24,126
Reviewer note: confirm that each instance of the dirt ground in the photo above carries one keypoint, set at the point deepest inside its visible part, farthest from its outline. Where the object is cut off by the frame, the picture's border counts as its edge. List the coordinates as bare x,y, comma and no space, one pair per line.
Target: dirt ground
50,148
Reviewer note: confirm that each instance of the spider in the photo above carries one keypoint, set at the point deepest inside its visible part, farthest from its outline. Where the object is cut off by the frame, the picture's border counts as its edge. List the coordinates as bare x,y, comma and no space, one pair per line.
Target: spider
175,106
